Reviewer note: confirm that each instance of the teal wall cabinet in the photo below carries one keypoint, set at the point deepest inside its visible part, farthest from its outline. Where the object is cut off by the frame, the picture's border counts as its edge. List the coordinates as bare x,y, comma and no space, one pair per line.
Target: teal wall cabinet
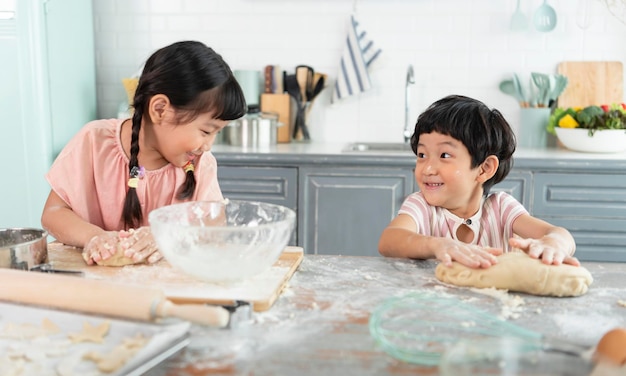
48,92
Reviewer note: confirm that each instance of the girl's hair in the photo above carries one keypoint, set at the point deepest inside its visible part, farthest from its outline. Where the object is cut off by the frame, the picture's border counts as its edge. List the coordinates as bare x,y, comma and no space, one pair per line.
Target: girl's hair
484,132
196,80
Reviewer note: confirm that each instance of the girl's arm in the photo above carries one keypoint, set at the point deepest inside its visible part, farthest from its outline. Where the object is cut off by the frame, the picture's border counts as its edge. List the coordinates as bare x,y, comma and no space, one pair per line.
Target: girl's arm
540,239
68,228
399,239
64,225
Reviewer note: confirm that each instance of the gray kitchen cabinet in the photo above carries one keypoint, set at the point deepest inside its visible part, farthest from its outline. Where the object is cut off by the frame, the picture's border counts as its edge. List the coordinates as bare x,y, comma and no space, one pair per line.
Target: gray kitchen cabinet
274,185
345,200
518,184
344,210
592,206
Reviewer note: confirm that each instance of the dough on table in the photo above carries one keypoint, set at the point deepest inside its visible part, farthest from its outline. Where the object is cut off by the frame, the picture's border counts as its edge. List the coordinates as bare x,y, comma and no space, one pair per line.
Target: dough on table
516,271
118,259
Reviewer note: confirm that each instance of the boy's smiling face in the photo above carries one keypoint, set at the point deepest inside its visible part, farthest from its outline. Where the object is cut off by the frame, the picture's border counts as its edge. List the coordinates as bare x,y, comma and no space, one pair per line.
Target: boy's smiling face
444,175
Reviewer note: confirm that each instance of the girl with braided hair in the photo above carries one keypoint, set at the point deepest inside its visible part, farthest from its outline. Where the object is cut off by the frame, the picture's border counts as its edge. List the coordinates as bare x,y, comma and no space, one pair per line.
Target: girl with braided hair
114,172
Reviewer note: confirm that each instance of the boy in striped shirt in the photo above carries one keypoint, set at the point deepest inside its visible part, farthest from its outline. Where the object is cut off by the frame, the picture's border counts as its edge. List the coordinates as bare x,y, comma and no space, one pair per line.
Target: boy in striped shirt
463,148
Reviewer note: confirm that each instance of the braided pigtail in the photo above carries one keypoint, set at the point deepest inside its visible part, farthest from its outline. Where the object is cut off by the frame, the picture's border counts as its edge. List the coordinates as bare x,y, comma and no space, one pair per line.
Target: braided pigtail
186,190
132,215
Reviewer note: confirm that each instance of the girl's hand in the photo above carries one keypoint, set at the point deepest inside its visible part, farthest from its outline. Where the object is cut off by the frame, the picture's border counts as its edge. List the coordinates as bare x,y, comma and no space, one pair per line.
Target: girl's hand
548,248
101,247
473,256
139,245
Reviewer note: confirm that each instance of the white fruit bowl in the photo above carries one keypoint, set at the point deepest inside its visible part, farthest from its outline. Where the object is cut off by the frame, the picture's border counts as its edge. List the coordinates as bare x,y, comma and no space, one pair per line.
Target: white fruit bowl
602,141
222,241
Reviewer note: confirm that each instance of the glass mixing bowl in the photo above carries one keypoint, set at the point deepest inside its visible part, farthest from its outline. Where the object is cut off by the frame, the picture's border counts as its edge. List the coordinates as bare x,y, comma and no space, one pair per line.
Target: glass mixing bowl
221,241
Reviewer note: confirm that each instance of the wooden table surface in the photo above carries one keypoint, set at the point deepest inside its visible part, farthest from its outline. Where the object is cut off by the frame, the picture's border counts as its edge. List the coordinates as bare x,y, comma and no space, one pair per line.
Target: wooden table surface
319,325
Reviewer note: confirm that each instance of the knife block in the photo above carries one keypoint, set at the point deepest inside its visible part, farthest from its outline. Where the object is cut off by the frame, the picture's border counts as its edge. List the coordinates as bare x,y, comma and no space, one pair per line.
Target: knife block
279,104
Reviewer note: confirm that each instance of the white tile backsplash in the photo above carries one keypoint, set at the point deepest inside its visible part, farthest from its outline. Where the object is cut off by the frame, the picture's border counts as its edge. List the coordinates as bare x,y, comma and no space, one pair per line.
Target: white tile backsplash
456,46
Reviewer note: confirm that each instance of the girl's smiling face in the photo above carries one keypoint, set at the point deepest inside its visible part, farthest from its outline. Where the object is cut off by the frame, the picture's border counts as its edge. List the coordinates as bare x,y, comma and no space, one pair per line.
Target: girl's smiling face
444,175
180,143
172,137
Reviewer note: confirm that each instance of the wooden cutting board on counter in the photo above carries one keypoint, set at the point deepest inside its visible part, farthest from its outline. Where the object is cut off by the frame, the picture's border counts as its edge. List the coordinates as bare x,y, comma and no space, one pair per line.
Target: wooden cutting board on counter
592,83
260,291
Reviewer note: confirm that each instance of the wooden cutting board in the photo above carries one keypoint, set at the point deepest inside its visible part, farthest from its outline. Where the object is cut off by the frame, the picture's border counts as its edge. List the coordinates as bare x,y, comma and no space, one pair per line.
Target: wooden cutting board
261,291
592,83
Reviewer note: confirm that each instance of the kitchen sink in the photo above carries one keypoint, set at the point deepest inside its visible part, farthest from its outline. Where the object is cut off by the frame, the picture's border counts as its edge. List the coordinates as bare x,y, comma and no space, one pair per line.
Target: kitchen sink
378,147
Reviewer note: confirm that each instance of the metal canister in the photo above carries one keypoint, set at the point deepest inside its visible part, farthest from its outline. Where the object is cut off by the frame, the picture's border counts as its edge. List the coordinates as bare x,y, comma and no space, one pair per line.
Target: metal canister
23,248
255,129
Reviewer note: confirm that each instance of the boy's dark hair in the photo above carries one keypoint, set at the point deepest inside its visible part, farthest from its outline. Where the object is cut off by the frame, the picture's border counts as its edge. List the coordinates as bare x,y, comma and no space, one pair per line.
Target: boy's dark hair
196,80
483,131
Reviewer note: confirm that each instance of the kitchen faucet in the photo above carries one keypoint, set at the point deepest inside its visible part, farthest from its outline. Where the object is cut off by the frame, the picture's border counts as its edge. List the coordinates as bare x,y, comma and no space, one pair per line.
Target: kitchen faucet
410,79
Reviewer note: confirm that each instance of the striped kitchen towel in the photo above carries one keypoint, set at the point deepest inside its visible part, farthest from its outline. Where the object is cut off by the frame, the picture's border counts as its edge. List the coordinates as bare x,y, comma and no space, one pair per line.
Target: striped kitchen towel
358,54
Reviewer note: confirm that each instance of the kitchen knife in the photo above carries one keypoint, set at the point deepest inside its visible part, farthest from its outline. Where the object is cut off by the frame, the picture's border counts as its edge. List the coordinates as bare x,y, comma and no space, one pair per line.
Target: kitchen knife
268,76
279,87
102,298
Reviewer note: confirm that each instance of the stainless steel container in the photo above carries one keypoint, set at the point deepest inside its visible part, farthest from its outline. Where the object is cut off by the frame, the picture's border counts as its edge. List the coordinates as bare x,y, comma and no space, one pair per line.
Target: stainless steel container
253,130
23,248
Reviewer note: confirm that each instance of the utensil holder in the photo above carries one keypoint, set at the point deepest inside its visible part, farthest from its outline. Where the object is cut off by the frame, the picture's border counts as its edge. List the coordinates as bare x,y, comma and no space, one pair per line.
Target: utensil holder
532,128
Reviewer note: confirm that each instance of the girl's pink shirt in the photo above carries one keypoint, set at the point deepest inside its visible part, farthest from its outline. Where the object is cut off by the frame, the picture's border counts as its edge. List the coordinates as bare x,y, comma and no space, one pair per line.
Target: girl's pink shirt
91,176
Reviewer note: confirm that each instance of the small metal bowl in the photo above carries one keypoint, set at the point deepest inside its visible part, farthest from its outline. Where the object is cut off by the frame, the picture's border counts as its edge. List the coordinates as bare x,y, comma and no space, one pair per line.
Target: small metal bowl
23,248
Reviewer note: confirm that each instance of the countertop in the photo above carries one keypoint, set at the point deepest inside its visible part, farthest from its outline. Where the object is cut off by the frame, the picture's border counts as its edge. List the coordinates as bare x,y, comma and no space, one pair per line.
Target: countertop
319,325
323,153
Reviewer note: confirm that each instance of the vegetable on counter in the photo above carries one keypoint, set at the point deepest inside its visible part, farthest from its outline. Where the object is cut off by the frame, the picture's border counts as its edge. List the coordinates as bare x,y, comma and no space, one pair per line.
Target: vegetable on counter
591,117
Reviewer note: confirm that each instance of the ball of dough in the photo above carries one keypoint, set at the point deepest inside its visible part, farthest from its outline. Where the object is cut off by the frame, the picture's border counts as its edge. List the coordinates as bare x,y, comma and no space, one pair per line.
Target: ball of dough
118,259
516,271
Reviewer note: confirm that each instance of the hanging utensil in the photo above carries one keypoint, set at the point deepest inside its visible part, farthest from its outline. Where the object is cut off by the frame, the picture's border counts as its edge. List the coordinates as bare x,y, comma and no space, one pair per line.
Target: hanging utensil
545,17
583,20
519,21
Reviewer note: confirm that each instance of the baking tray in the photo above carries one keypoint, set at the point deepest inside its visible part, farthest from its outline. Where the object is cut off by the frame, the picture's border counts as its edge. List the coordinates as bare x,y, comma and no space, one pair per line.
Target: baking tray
164,340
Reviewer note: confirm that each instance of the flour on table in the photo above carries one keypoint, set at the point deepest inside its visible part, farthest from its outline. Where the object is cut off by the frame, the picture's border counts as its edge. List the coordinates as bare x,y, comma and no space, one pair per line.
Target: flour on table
512,305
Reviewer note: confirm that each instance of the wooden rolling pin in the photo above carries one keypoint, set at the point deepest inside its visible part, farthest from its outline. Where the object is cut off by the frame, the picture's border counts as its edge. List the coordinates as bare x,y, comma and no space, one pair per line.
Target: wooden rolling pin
102,298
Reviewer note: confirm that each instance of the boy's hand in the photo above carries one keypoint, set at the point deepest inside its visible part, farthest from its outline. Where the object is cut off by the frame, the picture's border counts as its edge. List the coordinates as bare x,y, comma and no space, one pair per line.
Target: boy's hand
473,256
547,248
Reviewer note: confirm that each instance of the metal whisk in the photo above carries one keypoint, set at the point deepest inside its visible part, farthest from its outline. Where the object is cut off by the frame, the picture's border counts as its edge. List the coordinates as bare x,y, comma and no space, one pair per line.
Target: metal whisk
419,327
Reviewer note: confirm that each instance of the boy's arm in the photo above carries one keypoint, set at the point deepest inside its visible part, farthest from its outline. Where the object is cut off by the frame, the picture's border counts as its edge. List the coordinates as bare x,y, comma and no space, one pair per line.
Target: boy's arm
540,239
400,239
